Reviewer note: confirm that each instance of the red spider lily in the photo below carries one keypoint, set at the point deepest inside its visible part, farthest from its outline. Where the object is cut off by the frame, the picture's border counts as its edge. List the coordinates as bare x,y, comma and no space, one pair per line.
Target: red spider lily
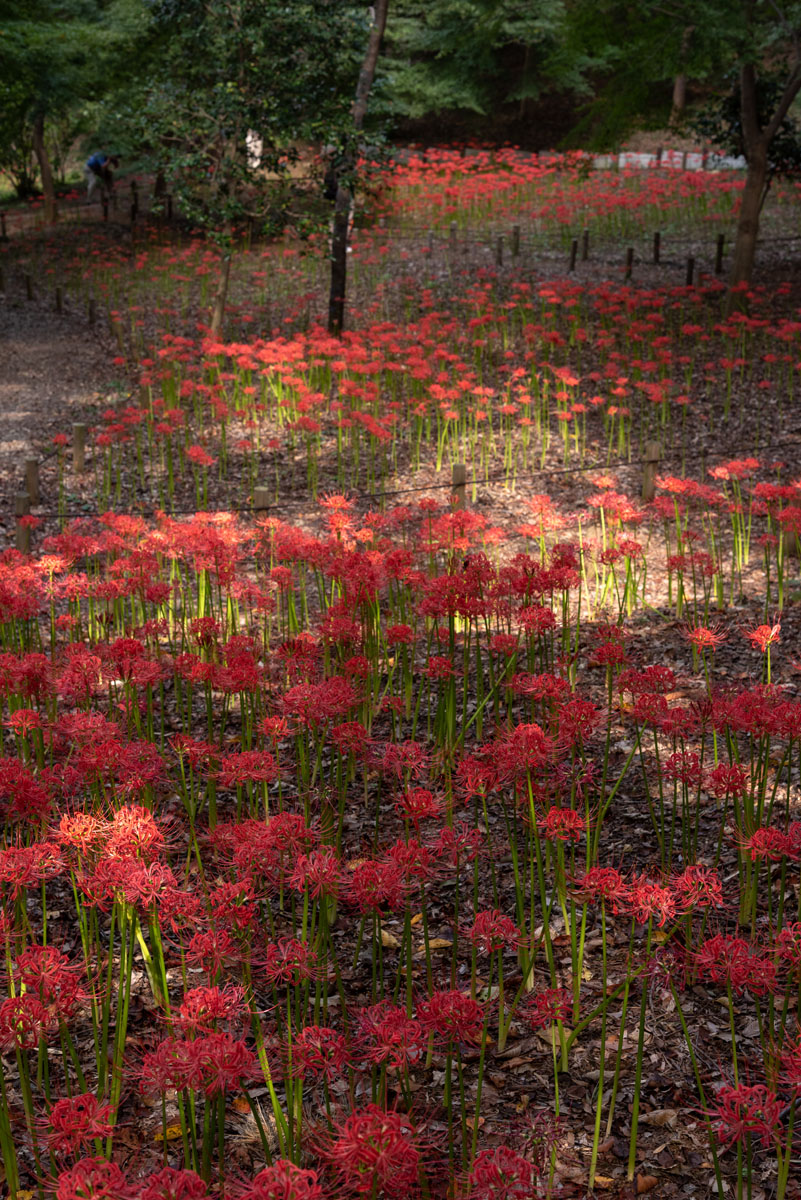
23,867
48,974
390,1035
170,1183
603,884
215,1062
377,885
420,804
375,1153
289,961
763,636
650,900
24,1021
454,1015
320,872
743,1112
501,1174
704,637
491,930
734,961
75,1121
204,1008
320,1051
562,825
546,1007
93,1177
246,766
697,887
283,1180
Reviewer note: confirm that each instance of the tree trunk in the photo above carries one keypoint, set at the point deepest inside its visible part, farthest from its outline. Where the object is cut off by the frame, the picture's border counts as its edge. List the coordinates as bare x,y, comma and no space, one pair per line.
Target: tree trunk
339,261
756,142
45,170
679,99
218,311
344,200
748,222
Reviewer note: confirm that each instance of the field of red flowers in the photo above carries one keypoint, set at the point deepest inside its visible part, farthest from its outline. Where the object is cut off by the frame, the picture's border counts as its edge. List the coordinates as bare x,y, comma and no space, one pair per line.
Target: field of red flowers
364,840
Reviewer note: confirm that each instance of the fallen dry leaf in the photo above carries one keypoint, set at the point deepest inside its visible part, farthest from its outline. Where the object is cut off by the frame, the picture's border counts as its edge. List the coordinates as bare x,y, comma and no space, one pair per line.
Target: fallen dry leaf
646,1183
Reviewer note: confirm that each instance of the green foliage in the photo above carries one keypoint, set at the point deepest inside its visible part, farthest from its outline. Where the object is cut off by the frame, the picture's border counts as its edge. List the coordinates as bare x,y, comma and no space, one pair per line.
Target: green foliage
473,54
56,56
218,69
720,123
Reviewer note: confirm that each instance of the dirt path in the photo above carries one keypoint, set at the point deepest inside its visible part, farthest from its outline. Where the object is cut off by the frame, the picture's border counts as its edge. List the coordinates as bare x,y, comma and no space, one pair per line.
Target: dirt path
54,369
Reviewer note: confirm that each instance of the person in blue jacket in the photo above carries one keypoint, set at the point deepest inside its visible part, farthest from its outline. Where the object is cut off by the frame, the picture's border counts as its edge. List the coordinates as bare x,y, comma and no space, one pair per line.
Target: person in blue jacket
98,172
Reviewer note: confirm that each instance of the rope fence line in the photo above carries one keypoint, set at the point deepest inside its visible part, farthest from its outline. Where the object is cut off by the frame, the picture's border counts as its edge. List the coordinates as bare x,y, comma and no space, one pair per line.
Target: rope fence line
457,485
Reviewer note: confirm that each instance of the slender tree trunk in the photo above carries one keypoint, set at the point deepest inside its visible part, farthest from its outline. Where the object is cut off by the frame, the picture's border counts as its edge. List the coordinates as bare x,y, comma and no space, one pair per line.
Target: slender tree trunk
221,295
748,220
679,99
344,199
339,261
45,170
756,142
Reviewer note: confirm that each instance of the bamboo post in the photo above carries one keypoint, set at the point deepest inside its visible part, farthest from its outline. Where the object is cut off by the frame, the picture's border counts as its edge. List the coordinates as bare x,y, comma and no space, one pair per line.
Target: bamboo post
721,243
688,278
32,479
585,245
573,254
79,431
657,246
650,464
261,499
629,262
460,485
22,507
515,241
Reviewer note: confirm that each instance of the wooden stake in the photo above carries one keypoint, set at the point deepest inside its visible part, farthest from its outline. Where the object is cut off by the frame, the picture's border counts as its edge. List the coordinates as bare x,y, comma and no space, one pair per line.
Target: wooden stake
79,432
22,507
515,241
105,208
657,245
169,206
92,310
2,281
573,253
453,235
650,464
29,287
32,479
499,251
460,485
261,499
3,231
629,262
59,300
721,242
688,278
585,245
